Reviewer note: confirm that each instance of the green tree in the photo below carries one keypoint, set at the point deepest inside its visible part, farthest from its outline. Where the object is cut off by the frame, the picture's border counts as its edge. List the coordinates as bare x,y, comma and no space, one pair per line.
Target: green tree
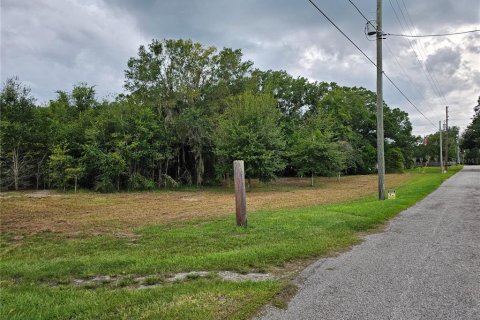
315,152
398,133
17,114
249,130
173,77
353,112
394,160
471,139
60,162
75,173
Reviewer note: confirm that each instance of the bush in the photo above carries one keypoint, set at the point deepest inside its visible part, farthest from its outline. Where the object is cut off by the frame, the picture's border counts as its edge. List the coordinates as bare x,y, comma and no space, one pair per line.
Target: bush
139,182
104,185
394,161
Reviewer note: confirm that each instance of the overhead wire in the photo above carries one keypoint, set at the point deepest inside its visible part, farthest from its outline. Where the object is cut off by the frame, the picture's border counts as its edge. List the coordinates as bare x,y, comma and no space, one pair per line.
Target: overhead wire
413,36
402,69
371,61
431,35
419,44
418,56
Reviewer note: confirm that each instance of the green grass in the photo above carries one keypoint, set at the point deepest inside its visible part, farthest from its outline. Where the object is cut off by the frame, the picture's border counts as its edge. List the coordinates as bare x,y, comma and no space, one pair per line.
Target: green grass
273,238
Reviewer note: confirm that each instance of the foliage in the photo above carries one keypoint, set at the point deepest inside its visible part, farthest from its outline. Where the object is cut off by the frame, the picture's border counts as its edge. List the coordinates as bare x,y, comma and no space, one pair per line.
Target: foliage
429,149
60,163
315,152
139,182
471,139
22,139
249,130
188,111
394,160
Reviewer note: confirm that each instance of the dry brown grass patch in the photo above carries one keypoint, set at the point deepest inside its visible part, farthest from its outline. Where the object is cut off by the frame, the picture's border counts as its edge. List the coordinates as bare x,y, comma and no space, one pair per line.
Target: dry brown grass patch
120,213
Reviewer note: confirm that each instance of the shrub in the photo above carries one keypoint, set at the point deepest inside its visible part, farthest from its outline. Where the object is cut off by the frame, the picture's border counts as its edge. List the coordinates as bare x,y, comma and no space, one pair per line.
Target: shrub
394,161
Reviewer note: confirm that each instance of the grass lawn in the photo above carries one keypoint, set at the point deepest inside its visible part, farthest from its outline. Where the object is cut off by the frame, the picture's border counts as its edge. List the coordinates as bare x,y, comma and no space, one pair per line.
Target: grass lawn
37,269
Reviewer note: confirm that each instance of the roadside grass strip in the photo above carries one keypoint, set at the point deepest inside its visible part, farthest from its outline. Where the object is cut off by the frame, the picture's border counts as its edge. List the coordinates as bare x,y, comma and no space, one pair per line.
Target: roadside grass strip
37,271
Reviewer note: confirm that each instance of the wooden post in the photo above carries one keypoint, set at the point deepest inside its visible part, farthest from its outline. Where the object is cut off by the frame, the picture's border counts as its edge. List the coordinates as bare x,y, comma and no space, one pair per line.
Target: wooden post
240,196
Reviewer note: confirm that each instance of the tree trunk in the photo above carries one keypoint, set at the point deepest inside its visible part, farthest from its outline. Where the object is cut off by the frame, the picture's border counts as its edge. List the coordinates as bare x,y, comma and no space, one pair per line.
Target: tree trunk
184,162
178,164
76,178
200,168
16,165
159,174
39,164
166,173
153,169
312,180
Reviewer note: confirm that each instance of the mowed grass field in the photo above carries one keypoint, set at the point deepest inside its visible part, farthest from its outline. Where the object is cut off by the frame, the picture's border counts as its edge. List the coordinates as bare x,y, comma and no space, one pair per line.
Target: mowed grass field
51,242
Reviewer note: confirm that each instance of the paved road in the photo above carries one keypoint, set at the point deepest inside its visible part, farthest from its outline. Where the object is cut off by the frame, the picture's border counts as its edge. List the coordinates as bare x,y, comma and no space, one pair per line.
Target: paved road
426,265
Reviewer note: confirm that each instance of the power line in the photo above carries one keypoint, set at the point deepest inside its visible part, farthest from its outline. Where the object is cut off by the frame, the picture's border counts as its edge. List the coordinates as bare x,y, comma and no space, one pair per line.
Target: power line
401,92
431,35
420,45
343,33
424,68
431,78
412,36
365,55
361,13
402,69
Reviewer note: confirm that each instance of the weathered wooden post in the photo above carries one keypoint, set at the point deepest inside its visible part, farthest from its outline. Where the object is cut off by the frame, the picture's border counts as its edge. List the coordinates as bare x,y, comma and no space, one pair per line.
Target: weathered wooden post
240,196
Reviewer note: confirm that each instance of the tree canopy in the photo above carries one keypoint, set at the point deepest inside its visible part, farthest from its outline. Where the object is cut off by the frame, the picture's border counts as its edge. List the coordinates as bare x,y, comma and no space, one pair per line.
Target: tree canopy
471,139
187,112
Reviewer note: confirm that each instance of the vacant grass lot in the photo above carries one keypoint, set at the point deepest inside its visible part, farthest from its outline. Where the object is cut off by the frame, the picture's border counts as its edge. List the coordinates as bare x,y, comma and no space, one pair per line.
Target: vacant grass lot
37,268
120,213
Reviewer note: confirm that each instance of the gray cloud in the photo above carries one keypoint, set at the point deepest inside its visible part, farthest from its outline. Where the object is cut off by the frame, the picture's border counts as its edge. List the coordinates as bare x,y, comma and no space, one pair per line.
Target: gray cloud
52,44
444,62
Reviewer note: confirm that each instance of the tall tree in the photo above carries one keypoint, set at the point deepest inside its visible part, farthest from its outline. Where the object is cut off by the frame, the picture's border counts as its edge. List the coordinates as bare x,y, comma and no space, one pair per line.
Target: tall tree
16,133
315,151
471,138
61,165
249,130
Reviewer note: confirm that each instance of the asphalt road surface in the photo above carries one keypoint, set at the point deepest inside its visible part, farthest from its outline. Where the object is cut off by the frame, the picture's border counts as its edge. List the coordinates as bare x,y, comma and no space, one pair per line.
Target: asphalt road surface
426,265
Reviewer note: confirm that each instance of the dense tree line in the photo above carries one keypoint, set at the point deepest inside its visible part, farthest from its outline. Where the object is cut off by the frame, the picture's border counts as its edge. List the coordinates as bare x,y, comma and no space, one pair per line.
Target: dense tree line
466,147
470,142
429,150
188,111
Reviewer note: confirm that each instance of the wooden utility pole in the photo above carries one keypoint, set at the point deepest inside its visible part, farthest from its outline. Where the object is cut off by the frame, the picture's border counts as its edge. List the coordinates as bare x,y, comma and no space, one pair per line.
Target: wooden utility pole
240,196
380,136
446,138
441,152
458,147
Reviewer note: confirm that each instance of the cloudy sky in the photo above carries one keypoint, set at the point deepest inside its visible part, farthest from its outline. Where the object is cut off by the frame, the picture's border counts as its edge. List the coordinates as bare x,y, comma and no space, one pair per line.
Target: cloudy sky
52,45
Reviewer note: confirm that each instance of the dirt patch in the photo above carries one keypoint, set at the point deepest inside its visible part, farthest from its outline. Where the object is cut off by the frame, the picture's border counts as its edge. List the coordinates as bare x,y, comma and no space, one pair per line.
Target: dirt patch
38,194
282,298
155,280
233,276
120,213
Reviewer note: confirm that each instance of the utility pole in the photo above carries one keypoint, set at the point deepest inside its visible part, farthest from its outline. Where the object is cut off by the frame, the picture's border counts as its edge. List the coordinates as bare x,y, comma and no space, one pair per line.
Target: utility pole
446,139
380,136
441,153
458,148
